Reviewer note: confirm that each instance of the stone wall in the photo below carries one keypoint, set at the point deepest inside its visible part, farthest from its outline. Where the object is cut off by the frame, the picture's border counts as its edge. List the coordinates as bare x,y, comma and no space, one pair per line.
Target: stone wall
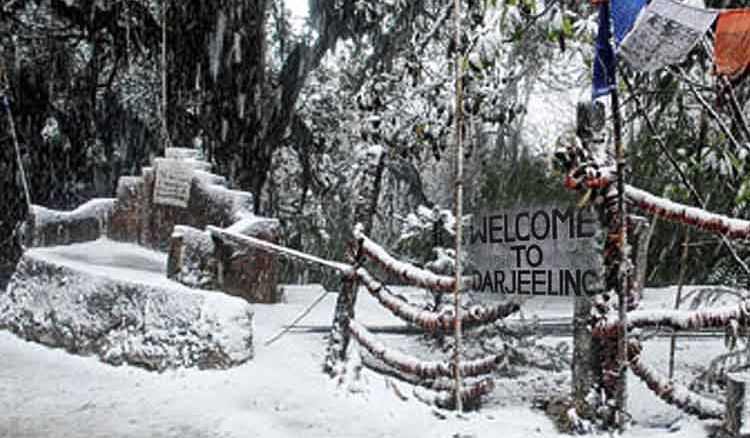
137,218
195,260
240,264
88,222
199,259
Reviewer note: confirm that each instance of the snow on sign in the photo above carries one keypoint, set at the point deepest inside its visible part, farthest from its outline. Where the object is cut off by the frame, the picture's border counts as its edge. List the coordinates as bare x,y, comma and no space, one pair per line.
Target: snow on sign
534,251
173,179
664,34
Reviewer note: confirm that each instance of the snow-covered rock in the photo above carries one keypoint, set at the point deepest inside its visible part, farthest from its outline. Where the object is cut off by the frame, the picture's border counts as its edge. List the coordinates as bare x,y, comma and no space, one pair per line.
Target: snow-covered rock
119,314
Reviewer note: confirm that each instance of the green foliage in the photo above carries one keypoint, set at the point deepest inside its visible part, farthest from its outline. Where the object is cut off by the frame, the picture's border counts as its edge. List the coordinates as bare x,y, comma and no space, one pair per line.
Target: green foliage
525,182
712,167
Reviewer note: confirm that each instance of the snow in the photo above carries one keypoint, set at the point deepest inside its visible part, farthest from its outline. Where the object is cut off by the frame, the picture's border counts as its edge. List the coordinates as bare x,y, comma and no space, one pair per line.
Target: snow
98,208
216,46
249,224
182,157
283,393
113,300
299,8
120,261
241,203
196,245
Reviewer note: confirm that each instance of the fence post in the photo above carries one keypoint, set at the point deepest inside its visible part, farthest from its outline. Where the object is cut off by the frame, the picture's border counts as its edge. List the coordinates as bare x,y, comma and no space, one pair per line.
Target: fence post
737,419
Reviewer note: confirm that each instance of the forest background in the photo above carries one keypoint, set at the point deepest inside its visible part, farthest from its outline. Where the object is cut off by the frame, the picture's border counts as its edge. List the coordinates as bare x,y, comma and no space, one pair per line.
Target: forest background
288,111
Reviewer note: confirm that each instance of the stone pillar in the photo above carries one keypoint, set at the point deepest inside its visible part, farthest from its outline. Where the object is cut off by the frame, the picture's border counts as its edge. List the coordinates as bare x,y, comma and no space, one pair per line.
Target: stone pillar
245,271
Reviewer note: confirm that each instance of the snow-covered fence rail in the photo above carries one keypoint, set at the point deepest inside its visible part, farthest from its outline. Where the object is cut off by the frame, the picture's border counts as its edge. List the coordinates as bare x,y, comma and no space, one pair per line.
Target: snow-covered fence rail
593,176
588,174
406,271
456,396
681,319
388,361
411,365
432,321
470,395
672,393
425,373
692,216
476,315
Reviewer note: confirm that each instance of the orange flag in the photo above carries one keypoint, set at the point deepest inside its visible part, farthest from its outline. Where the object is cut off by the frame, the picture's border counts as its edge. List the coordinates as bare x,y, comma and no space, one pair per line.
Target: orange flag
732,46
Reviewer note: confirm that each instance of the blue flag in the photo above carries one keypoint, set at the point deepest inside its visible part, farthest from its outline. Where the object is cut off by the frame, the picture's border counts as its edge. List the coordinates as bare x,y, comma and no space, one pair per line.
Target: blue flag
624,13
604,59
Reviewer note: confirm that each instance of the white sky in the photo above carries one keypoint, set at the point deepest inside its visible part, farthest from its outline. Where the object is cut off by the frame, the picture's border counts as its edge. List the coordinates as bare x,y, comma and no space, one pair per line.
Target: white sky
298,7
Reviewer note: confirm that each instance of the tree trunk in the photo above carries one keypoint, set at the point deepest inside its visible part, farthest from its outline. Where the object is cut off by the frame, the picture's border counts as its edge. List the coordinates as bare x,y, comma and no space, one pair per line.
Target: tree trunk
586,366
639,235
678,297
584,359
737,419
365,205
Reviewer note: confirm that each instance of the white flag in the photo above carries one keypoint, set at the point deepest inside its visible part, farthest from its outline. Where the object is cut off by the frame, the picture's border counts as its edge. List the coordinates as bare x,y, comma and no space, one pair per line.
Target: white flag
664,34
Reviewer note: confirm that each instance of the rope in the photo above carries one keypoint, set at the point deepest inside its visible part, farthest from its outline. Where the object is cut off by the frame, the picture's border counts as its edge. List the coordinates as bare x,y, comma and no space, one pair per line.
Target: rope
297,319
6,103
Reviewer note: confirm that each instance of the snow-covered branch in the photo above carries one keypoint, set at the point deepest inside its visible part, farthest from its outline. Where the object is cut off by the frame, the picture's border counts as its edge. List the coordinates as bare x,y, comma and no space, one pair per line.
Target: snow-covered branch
412,365
412,274
674,394
432,321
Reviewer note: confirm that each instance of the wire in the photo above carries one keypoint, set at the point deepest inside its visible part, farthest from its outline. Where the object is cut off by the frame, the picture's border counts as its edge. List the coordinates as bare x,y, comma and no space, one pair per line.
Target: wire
24,180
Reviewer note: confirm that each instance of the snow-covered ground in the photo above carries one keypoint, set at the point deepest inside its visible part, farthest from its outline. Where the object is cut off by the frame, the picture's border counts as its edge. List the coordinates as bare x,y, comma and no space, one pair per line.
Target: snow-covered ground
283,392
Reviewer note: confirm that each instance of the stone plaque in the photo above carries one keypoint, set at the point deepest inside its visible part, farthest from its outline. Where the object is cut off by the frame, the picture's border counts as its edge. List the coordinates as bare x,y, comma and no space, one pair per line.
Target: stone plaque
173,179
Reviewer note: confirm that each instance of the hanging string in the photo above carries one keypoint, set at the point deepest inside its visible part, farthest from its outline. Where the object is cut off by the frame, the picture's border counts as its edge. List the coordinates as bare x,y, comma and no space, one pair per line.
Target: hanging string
164,102
459,184
24,181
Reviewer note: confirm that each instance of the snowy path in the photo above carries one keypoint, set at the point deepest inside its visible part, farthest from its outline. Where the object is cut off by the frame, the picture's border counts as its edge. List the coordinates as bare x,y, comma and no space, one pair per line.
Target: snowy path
45,392
281,393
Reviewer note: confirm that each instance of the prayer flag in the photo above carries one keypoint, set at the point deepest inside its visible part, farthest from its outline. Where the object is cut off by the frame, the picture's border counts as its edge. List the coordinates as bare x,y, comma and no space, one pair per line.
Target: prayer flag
664,34
624,13
604,58
732,46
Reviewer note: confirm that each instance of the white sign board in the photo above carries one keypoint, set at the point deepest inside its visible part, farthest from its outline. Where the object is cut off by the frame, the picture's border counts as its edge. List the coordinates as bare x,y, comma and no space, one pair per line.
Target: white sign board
173,179
535,251
664,34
